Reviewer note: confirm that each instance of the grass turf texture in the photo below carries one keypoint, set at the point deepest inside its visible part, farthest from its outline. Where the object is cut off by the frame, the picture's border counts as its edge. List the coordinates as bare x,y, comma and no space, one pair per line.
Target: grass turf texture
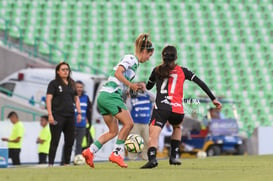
231,168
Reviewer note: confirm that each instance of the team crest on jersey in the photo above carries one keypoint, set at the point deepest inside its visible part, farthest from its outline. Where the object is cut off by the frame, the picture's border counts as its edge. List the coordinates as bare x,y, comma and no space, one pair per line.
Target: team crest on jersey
60,88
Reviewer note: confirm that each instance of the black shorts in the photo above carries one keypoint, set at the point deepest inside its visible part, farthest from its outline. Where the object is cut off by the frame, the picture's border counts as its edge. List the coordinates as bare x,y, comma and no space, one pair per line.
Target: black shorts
160,117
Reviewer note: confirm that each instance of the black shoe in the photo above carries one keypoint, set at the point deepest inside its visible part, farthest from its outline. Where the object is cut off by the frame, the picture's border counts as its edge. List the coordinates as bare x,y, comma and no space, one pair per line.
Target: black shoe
150,164
174,161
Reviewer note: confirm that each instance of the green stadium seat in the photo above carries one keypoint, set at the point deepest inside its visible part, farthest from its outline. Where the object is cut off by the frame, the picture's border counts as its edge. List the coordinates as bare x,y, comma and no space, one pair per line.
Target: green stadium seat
227,44
3,25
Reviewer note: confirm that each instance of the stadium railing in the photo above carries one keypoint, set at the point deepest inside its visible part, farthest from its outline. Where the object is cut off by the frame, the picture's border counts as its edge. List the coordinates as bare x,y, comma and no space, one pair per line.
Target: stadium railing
26,111
12,36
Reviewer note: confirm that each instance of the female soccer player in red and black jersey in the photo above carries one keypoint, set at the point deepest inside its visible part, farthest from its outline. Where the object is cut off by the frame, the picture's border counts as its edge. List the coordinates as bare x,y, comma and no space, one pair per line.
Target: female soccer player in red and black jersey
169,79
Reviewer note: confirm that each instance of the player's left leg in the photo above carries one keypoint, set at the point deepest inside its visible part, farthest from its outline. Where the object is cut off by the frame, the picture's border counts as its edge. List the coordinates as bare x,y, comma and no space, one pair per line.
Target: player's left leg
112,125
175,145
176,121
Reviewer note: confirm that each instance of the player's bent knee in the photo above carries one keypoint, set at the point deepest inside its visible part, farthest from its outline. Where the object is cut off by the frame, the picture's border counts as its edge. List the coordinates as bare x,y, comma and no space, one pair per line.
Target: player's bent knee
113,133
131,125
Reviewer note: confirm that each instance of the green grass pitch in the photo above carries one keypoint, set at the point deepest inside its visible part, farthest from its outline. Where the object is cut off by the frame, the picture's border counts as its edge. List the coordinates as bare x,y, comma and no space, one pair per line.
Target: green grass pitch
229,168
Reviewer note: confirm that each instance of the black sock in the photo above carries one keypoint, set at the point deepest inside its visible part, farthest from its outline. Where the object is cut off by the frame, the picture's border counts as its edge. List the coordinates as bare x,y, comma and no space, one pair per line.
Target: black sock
175,152
151,153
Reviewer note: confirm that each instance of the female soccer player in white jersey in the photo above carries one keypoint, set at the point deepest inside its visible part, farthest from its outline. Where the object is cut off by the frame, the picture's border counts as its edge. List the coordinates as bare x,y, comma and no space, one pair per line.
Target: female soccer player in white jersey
169,79
111,105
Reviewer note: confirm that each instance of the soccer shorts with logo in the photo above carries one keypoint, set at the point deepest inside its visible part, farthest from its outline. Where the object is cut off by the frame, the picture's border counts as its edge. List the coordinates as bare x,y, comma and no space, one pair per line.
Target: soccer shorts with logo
160,117
110,103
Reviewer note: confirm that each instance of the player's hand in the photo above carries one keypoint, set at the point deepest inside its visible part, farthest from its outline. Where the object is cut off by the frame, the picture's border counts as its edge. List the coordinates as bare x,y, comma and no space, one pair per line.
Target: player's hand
142,86
51,119
79,118
134,86
217,104
5,139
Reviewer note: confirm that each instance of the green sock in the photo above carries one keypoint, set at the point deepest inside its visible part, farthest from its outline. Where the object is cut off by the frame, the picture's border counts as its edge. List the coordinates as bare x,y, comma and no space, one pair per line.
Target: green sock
98,144
95,147
120,142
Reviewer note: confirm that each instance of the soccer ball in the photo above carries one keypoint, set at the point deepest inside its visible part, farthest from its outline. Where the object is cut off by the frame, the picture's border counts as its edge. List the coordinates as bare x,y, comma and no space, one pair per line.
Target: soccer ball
79,160
134,143
201,154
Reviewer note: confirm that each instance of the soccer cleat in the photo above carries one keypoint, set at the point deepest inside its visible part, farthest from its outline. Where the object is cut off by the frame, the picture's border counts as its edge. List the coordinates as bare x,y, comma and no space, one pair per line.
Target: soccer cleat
89,156
174,161
114,158
150,164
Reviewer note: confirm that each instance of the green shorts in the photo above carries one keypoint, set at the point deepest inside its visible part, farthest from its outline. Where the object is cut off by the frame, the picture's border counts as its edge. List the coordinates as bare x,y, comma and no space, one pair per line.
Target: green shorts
110,103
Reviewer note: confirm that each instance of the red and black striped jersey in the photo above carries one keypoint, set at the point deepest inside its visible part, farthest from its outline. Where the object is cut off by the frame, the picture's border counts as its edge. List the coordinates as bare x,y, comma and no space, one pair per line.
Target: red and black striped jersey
170,90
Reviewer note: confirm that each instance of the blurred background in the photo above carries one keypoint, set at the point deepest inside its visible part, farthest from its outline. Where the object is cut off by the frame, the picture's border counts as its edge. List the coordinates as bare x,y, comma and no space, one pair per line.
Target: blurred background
228,44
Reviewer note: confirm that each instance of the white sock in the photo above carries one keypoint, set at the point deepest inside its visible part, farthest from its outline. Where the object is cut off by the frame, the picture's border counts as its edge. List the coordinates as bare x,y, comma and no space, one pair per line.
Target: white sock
119,150
93,148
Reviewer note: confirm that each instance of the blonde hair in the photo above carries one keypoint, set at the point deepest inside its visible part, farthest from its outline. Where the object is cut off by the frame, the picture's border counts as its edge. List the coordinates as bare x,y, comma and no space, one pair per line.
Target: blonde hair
142,42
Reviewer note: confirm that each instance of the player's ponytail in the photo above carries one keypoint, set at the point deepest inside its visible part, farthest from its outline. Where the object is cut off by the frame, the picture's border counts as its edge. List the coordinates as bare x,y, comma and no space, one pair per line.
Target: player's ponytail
142,42
169,55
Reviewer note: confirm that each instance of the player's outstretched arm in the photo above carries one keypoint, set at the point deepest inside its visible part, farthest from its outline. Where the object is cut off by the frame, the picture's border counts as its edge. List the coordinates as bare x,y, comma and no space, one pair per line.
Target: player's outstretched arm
206,89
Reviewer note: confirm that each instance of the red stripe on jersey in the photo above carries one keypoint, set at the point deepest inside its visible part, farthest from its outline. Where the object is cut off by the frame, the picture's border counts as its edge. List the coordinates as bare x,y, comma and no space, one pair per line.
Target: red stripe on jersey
175,89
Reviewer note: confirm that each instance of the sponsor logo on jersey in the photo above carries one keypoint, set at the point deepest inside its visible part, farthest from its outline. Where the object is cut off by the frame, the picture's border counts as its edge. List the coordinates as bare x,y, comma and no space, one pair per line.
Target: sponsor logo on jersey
174,104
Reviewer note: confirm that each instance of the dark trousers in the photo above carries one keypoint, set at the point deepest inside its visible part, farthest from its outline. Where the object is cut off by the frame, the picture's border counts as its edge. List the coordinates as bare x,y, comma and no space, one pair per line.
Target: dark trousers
79,134
65,124
14,154
42,158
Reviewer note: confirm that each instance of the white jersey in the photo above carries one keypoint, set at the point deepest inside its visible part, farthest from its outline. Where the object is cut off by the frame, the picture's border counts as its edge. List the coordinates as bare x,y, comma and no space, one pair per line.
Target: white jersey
130,64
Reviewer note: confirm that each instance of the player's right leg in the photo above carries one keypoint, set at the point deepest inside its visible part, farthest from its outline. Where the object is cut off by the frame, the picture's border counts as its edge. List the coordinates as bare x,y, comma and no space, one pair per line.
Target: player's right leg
158,120
127,124
154,132
112,124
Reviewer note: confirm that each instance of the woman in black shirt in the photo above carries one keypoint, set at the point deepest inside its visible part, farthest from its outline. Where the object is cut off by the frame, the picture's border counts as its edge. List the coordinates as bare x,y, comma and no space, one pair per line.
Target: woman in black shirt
60,99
